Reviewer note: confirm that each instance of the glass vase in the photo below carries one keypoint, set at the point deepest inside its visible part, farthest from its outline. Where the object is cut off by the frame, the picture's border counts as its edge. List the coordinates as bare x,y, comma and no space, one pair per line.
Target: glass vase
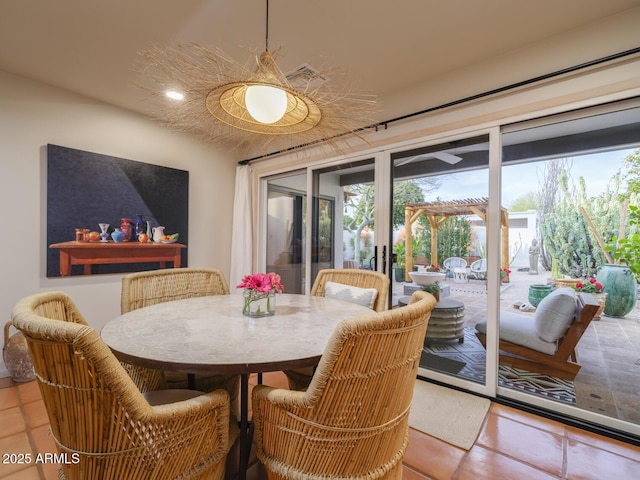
258,304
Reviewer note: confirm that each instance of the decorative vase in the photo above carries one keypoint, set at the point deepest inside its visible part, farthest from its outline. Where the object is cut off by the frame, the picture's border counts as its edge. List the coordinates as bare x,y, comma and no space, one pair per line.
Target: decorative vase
117,235
601,298
149,232
104,236
621,288
127,229
15,354
257,304
537,292
139,226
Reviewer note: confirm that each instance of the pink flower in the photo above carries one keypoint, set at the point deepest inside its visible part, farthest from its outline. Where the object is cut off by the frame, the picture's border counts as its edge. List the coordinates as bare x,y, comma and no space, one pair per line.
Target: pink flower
262,282
275,282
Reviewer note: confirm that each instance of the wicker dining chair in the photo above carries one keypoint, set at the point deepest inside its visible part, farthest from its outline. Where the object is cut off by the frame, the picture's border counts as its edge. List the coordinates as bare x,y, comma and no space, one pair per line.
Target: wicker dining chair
352,422
300,378
100,419
355,278
143,289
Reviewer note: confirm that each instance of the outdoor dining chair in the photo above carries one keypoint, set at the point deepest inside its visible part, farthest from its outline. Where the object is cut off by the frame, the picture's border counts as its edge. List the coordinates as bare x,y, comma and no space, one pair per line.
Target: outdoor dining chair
352,421
479,269
143,289
100,419
368,287
451,263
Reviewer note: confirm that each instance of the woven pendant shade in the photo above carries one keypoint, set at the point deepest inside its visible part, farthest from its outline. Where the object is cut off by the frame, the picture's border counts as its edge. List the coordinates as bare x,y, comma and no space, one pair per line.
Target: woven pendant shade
227,103
214,87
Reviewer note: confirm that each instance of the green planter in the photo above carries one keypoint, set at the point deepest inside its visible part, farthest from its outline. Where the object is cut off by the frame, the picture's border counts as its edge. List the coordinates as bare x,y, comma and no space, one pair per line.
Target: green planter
621,288
537,292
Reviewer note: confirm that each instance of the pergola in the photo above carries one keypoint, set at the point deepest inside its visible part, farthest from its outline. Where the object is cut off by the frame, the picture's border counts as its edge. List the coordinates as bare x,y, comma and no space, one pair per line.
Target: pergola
438,212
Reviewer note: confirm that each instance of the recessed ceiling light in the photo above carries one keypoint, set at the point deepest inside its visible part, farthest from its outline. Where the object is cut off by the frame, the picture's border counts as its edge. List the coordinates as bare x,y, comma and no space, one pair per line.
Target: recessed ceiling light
173,95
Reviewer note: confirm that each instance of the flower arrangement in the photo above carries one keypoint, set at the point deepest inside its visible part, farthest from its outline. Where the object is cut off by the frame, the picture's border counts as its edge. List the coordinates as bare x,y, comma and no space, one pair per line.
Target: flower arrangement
592,286
504,272
432,268
259,293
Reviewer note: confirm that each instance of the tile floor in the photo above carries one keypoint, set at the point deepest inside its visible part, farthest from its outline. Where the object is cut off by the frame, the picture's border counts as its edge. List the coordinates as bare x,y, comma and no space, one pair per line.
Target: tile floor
511,445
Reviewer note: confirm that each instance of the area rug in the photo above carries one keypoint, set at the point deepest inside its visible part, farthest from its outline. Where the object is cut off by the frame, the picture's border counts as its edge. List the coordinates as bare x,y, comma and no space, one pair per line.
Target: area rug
473,355
452,416
442,364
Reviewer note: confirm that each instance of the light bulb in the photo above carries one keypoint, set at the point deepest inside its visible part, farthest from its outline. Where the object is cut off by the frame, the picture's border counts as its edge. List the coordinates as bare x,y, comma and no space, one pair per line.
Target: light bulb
174,95
266,104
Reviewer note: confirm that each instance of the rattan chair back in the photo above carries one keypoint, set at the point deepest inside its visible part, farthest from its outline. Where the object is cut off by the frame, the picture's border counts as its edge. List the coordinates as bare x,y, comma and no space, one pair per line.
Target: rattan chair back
355,278
98,417
352,422
143,289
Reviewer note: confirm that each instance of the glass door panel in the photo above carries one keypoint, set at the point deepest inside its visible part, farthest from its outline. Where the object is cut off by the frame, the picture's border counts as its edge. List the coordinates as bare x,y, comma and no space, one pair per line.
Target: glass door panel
440,205
343,216
571,186
286,206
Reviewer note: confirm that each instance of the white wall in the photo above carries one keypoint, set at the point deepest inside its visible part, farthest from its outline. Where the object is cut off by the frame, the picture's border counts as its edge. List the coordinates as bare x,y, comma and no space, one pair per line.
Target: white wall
33,115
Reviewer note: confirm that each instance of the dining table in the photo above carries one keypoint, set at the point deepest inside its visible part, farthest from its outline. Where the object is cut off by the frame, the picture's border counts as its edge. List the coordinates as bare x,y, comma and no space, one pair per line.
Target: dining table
211,335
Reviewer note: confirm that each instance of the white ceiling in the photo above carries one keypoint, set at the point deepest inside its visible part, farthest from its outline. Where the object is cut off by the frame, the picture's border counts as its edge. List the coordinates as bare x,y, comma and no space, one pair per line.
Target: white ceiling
91,47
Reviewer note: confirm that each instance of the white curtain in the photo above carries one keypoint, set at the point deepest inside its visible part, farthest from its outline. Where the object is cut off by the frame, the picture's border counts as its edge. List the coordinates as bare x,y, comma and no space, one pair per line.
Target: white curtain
242,231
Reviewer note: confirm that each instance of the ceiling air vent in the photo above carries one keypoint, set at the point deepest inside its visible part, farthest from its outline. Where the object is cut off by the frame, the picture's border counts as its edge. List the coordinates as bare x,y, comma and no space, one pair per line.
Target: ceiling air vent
306,74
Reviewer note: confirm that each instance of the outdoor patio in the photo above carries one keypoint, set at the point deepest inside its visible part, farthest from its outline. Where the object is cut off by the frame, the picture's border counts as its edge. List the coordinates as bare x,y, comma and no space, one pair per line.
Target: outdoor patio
609,352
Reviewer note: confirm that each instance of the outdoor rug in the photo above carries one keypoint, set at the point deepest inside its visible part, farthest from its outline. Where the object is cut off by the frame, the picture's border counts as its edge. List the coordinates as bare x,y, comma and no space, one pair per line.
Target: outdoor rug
452,416
442,364
448,355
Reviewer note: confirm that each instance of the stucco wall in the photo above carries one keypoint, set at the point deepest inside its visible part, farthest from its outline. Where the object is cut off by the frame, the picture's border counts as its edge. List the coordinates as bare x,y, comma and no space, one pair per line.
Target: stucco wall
33,115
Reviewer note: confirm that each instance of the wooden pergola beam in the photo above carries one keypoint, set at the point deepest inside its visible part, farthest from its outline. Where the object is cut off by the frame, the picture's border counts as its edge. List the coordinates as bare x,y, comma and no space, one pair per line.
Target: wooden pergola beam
438,212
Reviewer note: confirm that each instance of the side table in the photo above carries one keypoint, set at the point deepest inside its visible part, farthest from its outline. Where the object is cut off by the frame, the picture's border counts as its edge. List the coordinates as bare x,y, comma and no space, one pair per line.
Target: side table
460,275
447,320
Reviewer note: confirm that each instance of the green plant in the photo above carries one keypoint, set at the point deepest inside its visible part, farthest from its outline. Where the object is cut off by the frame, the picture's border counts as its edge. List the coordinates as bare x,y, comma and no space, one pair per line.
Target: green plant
591,286
627,250
566,236
432,288
454,238
399,250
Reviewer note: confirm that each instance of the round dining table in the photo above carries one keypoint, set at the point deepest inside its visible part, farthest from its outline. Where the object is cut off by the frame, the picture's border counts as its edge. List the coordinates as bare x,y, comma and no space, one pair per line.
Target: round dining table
211,335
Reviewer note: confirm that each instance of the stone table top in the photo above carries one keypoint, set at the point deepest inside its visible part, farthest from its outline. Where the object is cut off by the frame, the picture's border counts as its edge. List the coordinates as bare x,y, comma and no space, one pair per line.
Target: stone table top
210,334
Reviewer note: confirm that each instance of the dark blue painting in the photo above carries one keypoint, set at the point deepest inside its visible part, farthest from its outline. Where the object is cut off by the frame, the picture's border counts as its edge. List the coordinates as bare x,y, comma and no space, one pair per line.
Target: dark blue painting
85,189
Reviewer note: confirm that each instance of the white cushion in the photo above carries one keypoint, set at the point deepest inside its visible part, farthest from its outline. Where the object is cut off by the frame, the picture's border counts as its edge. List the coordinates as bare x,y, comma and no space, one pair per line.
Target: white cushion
555,313
361,296
521,330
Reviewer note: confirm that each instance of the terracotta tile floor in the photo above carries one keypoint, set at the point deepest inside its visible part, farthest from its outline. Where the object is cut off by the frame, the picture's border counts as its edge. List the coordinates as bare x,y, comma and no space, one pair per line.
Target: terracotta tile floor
511,445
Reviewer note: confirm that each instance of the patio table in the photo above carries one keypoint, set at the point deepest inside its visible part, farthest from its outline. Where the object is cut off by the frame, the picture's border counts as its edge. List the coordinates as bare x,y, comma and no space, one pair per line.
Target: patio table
211,335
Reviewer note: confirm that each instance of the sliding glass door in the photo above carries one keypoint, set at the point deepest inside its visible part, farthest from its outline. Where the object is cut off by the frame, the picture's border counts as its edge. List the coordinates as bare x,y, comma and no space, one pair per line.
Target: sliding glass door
571,185
285,226
499,218
348,239
439,230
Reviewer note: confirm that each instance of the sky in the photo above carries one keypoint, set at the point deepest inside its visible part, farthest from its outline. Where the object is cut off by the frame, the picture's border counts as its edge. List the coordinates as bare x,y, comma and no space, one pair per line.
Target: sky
597,170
